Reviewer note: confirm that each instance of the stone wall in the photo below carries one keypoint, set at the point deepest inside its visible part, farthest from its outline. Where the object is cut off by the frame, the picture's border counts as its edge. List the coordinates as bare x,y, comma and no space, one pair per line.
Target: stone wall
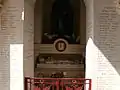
16,43
103,46
11,33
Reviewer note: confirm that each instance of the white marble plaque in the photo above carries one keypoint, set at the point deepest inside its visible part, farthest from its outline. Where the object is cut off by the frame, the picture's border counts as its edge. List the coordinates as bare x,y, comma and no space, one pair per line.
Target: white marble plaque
106,45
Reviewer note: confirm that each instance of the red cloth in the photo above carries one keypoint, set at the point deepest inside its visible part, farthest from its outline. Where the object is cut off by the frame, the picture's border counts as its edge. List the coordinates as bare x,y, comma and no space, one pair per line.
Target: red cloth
68,88
46,88
37,88
79,88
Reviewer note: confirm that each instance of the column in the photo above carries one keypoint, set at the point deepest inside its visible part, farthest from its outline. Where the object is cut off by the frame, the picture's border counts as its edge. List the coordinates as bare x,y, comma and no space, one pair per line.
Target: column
103,44
28,38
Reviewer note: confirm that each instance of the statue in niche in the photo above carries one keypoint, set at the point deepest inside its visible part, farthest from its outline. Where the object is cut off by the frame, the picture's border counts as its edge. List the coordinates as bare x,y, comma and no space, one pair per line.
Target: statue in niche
62,18
62,22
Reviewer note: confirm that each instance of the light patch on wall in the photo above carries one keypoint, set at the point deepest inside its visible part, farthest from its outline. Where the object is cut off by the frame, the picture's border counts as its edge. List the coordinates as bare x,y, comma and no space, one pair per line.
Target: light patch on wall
90,62
23,15
16,67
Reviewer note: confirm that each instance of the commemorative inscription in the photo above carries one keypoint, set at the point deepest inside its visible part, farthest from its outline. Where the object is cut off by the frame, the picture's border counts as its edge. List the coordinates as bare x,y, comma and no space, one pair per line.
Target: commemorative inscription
108,26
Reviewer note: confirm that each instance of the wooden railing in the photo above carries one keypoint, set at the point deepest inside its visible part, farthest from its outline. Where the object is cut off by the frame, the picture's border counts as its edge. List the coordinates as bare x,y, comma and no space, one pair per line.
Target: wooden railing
57,84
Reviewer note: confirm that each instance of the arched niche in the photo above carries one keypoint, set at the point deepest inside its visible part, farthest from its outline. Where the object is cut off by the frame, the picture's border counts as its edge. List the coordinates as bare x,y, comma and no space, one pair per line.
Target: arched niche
42,12
42,17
